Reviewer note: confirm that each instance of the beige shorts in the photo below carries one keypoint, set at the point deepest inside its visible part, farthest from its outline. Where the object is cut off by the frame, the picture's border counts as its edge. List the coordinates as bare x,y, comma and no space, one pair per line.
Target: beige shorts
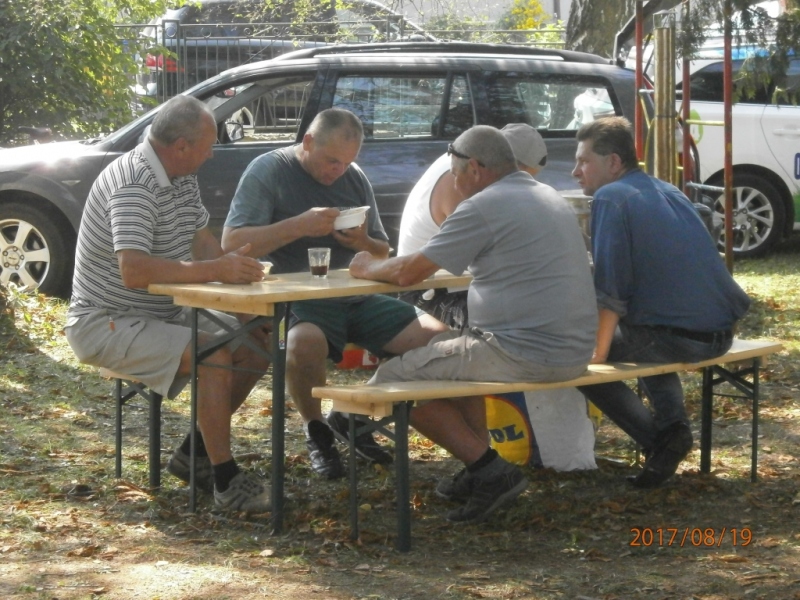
473,356
140,345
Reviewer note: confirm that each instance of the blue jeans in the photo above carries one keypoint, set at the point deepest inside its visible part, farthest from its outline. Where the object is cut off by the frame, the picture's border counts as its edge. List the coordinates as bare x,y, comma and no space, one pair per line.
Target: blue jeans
650,344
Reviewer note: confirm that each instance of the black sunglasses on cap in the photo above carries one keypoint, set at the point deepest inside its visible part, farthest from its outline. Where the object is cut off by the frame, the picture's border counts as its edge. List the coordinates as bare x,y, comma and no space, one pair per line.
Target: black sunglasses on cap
453,152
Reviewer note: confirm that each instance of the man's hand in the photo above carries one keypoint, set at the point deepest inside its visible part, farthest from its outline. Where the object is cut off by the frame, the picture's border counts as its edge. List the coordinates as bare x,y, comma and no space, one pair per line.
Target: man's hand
259,333
598,359
360,265
237,267
355,238
317,222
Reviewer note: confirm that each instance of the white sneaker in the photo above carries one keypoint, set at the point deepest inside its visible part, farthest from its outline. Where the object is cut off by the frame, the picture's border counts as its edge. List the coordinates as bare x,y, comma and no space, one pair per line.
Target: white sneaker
245,493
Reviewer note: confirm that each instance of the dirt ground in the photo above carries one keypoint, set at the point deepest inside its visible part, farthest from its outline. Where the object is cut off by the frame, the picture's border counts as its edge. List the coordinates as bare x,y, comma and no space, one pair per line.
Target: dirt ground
69,530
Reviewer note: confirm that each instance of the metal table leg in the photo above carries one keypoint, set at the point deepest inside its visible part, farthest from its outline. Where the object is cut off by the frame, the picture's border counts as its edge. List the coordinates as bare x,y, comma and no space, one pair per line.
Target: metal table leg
193,416
278,412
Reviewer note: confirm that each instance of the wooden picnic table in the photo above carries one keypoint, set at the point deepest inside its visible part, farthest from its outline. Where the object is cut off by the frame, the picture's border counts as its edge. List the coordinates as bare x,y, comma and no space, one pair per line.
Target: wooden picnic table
270,301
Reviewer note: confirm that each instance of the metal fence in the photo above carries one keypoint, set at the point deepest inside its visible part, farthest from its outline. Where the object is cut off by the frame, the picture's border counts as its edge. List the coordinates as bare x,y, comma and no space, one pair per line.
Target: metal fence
171,57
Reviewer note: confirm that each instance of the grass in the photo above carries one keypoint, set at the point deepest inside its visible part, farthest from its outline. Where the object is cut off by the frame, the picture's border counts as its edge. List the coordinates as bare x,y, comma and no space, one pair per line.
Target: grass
70,530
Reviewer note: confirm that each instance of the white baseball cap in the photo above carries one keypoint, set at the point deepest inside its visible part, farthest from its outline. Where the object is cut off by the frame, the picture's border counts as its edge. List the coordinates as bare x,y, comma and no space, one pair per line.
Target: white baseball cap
528,146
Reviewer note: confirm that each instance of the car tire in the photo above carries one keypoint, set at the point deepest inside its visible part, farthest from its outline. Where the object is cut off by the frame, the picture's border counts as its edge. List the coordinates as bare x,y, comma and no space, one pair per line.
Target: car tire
35,253
759,216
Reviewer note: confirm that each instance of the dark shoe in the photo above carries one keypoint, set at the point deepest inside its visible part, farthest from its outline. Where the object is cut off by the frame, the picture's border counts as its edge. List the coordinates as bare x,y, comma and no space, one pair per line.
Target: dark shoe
178,466
245,493
494,486
671,447
366,446
322,452
456,488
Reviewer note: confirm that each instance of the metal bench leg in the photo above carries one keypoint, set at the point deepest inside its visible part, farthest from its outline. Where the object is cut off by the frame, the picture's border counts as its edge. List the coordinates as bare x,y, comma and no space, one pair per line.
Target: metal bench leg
351,443
754,445
712,376
155,440
401,413
706,415
124,390
118,401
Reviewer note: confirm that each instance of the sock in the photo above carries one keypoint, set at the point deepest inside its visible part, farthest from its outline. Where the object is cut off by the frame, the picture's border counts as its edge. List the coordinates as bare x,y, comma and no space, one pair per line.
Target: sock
223,473
484,460
199,445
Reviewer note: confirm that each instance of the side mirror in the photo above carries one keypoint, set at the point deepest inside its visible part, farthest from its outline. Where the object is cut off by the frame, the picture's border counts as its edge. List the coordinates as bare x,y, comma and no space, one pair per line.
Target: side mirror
234,131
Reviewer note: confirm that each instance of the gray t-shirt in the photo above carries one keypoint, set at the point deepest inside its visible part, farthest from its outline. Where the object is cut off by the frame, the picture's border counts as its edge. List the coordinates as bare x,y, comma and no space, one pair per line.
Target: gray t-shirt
532,285
275,187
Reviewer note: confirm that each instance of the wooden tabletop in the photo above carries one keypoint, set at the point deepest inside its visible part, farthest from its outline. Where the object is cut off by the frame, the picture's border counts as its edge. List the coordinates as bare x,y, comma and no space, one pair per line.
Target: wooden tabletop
259,298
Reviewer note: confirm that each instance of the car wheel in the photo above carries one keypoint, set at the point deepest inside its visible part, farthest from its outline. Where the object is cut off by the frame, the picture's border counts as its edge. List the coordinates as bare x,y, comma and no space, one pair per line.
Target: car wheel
34,253
759,216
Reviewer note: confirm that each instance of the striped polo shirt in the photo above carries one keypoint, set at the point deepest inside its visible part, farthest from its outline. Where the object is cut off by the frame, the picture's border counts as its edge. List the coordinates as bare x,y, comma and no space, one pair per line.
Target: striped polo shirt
133,205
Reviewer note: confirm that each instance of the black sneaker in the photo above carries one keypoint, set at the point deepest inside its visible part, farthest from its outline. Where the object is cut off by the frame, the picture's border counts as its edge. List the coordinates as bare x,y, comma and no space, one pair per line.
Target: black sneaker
456,488
671,447
366,446
178,466
322,452
494,486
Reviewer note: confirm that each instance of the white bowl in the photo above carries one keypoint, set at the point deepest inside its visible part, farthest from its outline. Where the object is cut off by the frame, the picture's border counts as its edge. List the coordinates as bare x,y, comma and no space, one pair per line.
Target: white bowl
267,266
351,217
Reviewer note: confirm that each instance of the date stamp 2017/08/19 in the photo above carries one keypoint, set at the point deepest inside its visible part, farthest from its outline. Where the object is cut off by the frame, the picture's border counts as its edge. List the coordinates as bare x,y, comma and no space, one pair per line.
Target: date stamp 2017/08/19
707,537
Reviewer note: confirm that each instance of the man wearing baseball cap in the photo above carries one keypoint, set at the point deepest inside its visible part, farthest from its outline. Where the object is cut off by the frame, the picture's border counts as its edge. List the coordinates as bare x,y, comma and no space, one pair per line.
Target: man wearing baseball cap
434,198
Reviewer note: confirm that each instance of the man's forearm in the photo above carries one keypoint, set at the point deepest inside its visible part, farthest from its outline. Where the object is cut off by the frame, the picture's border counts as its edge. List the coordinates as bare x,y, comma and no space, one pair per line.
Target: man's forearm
378,248
263,239
400,270
606,327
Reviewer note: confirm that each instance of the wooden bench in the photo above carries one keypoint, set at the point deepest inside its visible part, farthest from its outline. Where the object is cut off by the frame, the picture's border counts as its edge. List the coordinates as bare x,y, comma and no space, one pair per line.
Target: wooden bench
391,403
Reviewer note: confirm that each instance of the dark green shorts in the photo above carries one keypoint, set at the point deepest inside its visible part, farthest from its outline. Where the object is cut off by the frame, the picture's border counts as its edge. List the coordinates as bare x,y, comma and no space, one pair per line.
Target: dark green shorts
370,321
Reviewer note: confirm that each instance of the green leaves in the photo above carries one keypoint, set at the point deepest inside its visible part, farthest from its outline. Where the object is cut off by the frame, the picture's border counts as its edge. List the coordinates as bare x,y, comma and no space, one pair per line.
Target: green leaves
63,65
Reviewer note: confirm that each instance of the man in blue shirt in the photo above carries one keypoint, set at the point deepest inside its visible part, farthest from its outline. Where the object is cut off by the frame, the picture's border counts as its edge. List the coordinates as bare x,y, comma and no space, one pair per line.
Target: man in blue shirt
663,293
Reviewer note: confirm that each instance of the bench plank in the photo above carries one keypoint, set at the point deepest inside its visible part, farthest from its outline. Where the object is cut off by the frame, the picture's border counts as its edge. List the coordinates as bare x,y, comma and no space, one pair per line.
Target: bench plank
376,400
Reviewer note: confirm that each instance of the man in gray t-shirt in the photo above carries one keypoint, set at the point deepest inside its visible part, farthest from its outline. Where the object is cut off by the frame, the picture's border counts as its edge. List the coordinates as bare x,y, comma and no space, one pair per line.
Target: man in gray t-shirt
532,312
286,202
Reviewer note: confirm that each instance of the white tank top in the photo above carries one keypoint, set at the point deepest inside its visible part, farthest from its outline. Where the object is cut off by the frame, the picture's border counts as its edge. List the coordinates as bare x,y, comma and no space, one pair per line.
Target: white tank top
417,225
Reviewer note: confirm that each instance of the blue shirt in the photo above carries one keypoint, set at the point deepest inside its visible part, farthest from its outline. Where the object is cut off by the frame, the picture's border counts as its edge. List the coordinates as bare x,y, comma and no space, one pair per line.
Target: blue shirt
654,261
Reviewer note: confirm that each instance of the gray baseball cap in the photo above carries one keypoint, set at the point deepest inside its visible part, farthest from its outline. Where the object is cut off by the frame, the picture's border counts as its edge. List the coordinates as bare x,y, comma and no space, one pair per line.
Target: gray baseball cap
528,146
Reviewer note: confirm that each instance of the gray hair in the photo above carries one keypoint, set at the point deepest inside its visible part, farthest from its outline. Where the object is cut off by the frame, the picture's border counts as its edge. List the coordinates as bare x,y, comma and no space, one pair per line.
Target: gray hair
179,117
489,147
336,121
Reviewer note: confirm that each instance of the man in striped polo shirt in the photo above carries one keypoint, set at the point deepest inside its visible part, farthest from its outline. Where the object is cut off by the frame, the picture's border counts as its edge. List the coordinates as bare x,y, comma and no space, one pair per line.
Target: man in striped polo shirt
144,223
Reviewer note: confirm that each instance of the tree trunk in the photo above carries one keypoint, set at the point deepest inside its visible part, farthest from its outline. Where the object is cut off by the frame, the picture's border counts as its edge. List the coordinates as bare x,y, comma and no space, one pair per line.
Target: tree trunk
593,24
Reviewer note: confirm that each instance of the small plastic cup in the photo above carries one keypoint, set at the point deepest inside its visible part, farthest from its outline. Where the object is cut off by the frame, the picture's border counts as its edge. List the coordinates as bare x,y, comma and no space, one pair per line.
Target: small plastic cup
319,259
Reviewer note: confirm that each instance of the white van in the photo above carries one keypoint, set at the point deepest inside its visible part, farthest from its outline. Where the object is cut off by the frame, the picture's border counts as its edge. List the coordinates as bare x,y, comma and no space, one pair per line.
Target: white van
766,153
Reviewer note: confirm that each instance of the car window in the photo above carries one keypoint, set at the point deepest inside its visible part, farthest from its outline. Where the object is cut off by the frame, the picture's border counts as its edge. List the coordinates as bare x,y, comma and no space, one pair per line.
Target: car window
546,102
269,110
706,85
393,107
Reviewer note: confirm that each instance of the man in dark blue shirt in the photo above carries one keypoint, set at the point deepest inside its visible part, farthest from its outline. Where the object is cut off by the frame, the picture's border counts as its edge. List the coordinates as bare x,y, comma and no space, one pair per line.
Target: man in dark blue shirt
663,293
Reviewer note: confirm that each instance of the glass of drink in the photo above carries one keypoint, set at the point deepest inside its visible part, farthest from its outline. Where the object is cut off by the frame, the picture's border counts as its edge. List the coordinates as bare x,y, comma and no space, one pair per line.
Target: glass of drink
319,259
